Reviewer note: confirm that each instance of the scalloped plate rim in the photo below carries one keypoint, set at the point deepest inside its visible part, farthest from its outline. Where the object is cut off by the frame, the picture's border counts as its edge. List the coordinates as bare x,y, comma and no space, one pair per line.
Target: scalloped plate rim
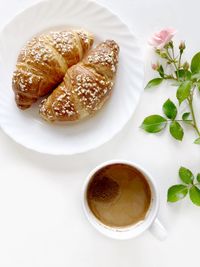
5,129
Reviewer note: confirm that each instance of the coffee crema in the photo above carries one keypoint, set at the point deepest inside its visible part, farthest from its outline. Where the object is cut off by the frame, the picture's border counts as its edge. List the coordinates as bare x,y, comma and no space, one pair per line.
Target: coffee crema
119,195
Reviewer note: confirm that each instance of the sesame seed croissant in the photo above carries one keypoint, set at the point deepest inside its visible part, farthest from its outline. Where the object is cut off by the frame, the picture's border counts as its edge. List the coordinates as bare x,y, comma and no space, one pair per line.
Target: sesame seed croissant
86,86
43,63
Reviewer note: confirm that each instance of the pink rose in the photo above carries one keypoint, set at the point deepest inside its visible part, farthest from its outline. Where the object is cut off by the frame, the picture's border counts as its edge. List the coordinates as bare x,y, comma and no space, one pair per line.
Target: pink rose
160,39
155,66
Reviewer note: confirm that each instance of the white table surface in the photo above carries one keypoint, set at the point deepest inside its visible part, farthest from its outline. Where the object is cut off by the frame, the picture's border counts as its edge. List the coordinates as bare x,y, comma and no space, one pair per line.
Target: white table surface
41,219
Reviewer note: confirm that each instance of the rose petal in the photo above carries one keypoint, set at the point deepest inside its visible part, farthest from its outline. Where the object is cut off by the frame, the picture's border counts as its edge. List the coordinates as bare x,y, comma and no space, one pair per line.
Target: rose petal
161,38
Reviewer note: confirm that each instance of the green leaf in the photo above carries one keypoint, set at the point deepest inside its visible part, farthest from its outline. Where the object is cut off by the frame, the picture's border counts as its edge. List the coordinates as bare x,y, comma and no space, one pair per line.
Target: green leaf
184,74
183,91
198,177
161,71
154,82
185,117
197,141
195,64
170,109
195,195
154,124
176,130
186,175
176,192
188,75
196,76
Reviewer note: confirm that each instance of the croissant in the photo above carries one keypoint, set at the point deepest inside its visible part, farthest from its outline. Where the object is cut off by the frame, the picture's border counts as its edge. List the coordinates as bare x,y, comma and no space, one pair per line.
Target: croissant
43,63
86,86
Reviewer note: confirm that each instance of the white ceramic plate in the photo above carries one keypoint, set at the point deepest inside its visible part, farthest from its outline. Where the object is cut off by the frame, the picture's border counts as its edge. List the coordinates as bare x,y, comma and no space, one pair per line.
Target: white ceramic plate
26,127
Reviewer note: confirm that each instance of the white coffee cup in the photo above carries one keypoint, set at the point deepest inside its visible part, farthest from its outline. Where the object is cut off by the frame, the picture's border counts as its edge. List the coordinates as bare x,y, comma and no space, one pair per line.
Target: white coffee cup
150,222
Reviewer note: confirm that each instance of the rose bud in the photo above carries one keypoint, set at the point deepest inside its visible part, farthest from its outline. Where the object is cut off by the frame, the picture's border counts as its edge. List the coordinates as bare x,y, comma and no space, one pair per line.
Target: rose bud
155,66
182,46
186,65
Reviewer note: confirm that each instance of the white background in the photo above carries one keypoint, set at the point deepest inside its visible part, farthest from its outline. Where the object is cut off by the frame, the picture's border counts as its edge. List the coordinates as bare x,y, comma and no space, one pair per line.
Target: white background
41,219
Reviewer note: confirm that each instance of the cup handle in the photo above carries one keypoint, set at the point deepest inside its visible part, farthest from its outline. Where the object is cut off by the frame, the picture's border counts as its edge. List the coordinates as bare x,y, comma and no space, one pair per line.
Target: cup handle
158,230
